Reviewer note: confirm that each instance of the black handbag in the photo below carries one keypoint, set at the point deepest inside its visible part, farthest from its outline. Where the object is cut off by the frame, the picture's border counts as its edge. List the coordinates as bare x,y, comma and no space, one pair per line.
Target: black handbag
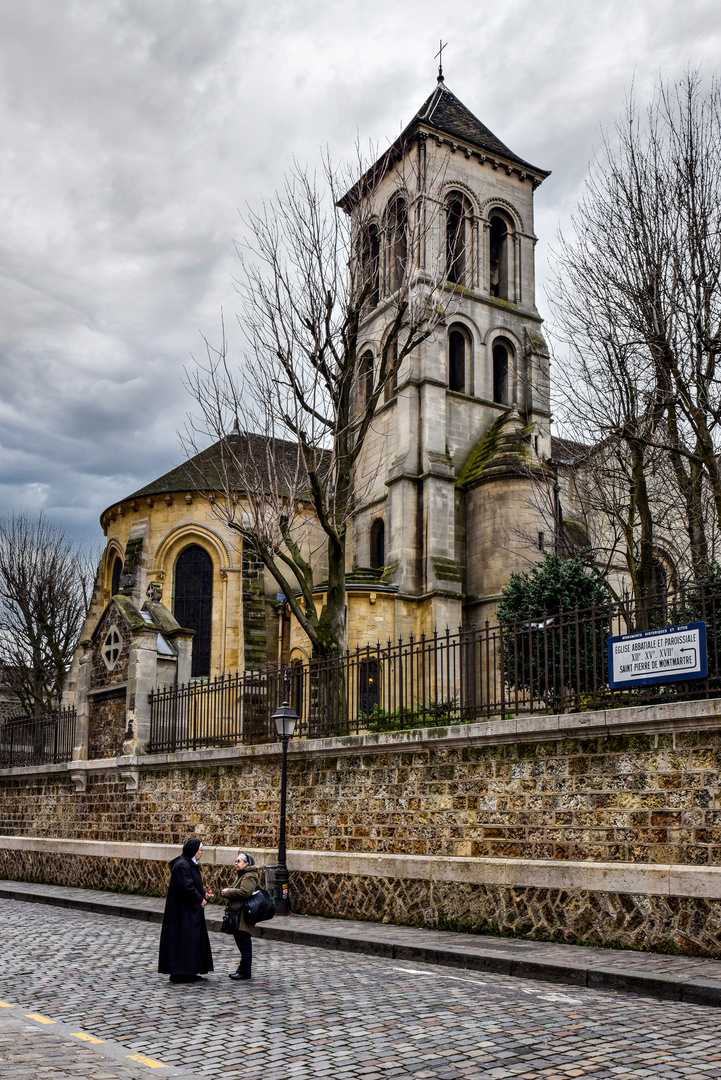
231,921
258,908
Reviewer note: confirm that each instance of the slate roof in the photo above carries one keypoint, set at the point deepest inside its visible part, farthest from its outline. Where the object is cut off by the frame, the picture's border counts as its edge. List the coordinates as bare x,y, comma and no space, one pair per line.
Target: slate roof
207,470
446,113
566,451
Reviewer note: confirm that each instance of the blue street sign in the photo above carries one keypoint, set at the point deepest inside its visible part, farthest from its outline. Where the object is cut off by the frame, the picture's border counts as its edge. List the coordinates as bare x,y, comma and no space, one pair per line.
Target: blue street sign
673,654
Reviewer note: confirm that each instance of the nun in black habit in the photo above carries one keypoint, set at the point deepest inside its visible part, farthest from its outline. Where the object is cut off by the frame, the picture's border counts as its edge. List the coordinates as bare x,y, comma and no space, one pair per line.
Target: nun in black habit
184,944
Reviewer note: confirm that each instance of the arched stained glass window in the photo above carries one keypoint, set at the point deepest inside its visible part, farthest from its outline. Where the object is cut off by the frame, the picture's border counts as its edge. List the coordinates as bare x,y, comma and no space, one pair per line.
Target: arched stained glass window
296,686
390,356
368,686
370,256
117,574
365,377
194,603
456,241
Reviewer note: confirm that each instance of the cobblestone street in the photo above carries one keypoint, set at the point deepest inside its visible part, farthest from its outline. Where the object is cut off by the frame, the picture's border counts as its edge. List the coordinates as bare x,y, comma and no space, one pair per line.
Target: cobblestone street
312,1013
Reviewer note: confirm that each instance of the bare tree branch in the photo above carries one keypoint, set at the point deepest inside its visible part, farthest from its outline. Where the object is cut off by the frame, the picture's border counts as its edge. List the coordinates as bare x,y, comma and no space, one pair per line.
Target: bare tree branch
45,587
637,301
287,415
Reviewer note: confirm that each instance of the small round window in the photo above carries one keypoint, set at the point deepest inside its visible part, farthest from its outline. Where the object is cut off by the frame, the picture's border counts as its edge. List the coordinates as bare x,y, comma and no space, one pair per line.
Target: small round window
112,647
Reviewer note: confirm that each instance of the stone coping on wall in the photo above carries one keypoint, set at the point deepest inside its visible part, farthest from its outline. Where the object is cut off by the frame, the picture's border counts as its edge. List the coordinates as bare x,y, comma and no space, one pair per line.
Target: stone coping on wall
675,717
116,849
636,878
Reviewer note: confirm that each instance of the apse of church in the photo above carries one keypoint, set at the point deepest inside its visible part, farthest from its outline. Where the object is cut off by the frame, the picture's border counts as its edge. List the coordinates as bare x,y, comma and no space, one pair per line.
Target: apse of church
443,503
163,542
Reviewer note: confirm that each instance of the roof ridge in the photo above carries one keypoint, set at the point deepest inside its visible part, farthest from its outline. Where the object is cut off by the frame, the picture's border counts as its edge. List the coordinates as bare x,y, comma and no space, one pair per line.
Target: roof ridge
433,105
445,112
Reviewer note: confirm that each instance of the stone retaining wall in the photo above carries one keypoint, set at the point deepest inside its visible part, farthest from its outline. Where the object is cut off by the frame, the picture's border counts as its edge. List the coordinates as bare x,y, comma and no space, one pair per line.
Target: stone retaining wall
643,798
544,800
620,920
637,920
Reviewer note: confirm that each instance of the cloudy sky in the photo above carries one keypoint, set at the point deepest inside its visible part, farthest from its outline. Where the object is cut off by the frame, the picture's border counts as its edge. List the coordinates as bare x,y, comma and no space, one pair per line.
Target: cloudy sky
132,131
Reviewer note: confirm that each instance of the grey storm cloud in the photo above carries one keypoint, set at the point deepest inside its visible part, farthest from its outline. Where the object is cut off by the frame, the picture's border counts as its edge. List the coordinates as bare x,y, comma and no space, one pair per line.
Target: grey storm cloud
131,133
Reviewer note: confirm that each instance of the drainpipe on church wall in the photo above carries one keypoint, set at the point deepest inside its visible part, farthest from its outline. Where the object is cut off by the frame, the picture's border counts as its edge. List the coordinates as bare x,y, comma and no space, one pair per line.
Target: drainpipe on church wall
281,619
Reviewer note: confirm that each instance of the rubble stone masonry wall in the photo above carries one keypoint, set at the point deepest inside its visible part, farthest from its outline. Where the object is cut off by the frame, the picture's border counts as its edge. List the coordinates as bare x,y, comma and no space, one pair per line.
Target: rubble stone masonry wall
545,801
107,726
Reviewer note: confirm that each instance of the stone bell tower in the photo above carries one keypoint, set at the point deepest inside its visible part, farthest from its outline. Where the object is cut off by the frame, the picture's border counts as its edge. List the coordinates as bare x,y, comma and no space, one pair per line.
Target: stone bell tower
468,422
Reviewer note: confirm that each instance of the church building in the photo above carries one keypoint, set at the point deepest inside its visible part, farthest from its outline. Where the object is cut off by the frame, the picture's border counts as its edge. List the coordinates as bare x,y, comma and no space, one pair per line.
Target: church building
466,424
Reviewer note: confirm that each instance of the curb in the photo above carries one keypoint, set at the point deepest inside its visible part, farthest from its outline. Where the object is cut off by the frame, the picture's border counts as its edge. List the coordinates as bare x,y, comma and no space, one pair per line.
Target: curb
696,991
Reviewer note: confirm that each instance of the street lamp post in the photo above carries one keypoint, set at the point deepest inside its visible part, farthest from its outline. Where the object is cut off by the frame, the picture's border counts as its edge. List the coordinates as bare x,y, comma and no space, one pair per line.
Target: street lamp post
285,719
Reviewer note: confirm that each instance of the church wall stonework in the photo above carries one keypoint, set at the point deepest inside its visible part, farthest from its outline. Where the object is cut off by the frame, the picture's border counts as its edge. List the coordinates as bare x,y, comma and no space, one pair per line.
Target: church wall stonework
646,800
640,798
107,727
100,674
504,521
614,920
371,618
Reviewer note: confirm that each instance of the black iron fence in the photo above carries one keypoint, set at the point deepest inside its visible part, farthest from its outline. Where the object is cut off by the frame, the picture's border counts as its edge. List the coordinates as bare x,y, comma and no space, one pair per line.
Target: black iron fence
554,662
37,740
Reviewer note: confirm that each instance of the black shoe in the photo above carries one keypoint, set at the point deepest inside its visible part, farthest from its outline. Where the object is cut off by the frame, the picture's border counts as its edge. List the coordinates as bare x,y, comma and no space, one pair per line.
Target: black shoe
185,978
237,976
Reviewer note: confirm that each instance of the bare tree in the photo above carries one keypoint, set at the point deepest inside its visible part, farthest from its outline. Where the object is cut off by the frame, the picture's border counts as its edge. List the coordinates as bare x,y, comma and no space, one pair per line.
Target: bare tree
293,419
46,583
638,303
592,500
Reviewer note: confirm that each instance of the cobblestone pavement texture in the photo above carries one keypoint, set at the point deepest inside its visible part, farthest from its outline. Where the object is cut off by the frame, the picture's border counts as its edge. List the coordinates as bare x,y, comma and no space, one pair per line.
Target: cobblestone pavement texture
312,1012
689,978
27,1055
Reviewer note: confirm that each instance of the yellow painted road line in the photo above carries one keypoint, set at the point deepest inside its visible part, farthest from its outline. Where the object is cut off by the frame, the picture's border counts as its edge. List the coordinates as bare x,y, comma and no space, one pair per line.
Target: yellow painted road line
146,1061
6,1005
40,1019
85,1037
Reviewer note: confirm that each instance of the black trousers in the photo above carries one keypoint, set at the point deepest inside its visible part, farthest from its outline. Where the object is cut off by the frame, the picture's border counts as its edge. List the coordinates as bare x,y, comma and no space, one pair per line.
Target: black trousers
245,947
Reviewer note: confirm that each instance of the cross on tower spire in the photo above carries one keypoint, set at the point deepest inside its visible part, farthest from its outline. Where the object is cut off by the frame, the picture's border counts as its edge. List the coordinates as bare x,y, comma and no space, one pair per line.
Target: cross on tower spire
439,54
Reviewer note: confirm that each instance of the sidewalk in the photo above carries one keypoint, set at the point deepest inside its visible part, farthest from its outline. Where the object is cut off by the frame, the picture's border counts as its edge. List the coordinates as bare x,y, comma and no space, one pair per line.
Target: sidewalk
674,978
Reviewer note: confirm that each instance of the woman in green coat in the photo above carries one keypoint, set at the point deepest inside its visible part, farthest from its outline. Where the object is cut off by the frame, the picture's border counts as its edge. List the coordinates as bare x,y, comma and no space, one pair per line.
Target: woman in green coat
248,881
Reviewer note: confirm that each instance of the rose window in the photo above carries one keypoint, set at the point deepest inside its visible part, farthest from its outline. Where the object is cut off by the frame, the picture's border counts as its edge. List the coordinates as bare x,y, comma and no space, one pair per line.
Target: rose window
112,646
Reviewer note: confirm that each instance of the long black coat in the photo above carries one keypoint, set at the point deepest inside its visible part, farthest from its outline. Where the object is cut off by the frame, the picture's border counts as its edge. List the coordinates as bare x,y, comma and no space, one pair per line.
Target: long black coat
184,942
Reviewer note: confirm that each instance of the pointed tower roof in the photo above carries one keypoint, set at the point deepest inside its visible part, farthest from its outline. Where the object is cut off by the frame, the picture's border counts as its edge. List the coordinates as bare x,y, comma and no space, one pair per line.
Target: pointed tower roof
444,114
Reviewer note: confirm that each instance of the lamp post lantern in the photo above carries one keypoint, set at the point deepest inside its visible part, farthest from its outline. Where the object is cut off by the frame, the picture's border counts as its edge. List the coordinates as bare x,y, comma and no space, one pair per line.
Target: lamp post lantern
285,720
